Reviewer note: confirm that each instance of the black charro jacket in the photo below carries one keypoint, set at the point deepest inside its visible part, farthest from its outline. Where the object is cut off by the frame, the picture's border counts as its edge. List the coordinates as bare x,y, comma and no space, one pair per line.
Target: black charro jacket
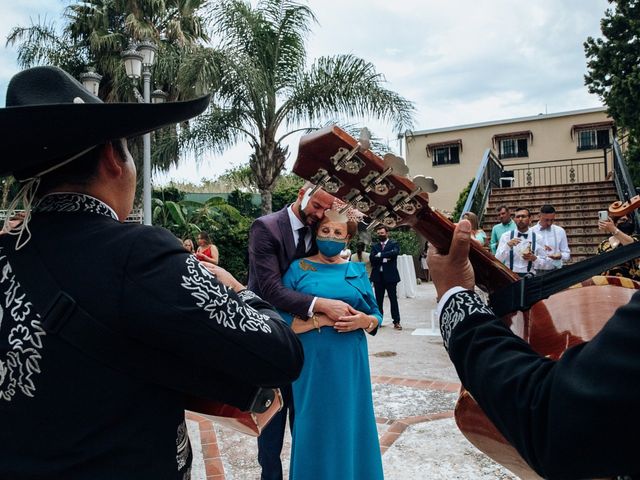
574,418
65,415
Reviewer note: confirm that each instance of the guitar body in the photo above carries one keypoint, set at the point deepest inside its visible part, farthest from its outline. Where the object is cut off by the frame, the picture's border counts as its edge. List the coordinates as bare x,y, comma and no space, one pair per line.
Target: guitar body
331,158
565,319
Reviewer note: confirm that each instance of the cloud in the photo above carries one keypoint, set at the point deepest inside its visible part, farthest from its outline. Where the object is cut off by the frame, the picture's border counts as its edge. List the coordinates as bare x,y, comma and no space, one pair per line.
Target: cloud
459,61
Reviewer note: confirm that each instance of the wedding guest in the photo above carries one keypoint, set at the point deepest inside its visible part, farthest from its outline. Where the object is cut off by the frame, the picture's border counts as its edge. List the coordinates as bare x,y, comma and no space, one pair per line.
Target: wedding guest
207,251
519,249
334,434
506,224
187,243
362,257
554,240
621,230
423,261
384,272
477,233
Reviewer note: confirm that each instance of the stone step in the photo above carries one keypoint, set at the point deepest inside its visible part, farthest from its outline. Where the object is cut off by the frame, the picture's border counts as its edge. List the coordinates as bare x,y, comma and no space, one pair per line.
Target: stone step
572,215
560,187
577,207
554,199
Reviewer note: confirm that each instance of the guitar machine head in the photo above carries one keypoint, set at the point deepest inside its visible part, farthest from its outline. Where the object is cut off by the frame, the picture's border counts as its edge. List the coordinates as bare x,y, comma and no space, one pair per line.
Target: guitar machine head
346,168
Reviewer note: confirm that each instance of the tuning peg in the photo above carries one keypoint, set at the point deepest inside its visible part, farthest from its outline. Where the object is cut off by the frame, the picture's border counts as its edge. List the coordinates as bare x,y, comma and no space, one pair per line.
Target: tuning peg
395,163
365,139
427,184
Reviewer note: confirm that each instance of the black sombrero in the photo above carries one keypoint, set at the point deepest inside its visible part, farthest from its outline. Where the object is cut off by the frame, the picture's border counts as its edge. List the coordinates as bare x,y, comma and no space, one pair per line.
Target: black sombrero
50,118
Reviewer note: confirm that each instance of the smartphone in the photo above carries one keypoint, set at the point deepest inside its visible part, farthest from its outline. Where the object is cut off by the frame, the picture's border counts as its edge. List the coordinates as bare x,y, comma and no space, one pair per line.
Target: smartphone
603,215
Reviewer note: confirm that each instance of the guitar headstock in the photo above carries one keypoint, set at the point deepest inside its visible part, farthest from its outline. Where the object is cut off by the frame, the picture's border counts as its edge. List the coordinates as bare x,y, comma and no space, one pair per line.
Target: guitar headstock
347,169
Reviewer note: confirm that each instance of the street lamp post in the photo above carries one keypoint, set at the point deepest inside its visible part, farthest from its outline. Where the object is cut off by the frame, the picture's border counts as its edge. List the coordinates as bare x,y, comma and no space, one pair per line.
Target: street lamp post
138,63
91,81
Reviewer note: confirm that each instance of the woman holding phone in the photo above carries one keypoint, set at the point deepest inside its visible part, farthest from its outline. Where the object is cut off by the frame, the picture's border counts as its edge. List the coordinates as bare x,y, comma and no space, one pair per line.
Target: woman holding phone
621,230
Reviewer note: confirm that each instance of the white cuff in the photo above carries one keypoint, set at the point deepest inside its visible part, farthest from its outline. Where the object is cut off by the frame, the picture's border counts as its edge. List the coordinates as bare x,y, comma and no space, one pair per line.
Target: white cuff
446,297
310,311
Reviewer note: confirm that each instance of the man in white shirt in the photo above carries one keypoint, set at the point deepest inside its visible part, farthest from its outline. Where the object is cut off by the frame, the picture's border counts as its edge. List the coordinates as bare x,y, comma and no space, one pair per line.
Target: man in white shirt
520,249
553,239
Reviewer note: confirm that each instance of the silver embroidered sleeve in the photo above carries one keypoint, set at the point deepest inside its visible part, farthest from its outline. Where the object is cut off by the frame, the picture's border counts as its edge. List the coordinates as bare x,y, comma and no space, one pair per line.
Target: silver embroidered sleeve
247,294
460,306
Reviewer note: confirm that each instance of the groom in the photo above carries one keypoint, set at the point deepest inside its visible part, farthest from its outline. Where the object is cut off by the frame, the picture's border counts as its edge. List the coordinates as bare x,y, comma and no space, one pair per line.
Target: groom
276,240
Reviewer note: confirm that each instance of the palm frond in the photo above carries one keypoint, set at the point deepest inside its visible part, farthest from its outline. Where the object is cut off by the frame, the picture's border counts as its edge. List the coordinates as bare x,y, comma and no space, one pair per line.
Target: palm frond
347,85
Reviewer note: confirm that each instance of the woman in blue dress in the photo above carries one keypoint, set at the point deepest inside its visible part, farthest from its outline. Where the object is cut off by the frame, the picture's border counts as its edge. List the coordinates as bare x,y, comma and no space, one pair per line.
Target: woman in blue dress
334,432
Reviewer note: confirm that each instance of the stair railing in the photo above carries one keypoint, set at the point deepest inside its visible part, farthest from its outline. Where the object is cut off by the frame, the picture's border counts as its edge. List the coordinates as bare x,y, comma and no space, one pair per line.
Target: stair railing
622,178
487,177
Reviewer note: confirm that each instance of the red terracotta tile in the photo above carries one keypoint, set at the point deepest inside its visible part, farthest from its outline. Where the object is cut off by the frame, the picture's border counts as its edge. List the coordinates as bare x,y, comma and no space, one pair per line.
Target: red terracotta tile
397,427
417,419
213,467
210,450
388,440
452,387
208,437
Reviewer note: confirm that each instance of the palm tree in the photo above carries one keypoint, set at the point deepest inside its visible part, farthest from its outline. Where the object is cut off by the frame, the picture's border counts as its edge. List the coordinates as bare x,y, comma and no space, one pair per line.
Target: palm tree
96,32
265,92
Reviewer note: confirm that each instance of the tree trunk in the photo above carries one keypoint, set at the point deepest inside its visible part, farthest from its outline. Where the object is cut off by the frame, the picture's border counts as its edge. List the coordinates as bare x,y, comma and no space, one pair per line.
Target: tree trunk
265,202
267,162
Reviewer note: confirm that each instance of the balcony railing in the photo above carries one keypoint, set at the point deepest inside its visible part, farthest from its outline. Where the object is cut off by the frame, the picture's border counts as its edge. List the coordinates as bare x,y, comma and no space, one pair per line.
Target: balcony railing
557,172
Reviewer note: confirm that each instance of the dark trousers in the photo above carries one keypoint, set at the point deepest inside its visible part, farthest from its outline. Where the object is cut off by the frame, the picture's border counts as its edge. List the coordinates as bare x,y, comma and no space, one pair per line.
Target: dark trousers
391,290
271,439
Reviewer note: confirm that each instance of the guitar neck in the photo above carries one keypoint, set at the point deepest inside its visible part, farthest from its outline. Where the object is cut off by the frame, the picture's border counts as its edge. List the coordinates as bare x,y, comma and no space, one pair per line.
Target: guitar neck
330,157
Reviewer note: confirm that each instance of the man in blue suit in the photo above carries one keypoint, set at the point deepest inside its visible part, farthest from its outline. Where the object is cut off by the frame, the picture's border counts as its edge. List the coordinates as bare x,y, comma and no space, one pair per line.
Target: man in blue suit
384,272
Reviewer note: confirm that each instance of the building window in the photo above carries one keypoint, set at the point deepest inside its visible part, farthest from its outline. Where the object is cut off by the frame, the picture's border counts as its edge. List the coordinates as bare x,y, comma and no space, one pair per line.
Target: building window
513,147
594,139
446,155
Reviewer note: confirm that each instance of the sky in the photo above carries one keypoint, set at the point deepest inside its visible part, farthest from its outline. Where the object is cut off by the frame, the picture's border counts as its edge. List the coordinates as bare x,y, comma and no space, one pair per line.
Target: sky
459,61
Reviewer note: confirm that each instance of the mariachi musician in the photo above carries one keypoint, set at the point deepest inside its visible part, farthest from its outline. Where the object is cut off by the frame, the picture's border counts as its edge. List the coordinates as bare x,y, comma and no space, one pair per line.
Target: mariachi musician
93,383
574,418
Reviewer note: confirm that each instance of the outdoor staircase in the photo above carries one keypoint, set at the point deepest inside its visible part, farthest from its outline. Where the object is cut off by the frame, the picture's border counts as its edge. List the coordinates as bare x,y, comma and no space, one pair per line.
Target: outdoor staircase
576,207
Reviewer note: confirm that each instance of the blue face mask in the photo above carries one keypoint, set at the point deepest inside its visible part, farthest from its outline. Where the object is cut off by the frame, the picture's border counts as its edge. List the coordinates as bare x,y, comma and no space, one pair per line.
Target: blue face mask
330,247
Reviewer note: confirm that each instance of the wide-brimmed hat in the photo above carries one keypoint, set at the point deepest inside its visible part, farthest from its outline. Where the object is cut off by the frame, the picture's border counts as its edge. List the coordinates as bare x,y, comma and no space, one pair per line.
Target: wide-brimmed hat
50,118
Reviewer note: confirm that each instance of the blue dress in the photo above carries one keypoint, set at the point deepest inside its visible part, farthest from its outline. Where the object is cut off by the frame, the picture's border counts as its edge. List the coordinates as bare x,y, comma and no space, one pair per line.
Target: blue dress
334,433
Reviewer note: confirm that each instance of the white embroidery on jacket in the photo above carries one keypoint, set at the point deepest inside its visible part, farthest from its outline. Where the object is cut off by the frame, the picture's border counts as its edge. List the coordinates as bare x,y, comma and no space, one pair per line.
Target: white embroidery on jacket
20,357
214,299
458,308
74,202
183,449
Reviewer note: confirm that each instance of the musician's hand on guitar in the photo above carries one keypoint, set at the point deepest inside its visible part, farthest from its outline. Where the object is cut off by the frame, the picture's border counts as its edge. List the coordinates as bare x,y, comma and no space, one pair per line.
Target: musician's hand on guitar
453,269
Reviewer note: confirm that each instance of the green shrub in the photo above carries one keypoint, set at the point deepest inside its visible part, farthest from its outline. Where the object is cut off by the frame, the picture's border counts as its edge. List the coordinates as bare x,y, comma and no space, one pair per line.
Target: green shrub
462,199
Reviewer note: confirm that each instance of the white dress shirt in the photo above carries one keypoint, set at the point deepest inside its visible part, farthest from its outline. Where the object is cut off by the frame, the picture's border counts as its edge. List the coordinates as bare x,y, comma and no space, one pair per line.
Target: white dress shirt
555,238
519,264
296,224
